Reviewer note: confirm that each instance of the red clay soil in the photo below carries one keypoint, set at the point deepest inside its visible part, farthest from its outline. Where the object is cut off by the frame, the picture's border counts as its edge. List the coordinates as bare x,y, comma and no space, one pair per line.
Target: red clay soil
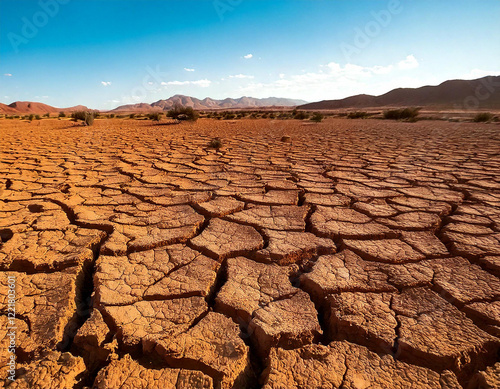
360,254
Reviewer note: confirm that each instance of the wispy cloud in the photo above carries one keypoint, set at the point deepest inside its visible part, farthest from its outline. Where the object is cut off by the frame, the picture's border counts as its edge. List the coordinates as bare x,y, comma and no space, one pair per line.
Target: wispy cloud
241,76
189,70
248,56
106,83
7,75
201,83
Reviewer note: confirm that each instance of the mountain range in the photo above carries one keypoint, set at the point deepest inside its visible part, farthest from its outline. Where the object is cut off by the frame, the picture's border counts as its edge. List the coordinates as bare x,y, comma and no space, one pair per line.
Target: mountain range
208,103
481,93
29,107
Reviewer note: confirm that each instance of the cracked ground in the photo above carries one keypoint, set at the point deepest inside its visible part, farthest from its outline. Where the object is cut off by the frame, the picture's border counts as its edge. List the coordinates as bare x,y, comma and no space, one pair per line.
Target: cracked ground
359,254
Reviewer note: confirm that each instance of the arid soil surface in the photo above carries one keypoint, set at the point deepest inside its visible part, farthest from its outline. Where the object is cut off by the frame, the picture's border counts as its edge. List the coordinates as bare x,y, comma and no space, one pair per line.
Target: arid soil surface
353,254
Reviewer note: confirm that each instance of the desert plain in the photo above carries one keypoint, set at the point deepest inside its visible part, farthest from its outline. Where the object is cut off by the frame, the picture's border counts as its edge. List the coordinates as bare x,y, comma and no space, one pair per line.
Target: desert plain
342,254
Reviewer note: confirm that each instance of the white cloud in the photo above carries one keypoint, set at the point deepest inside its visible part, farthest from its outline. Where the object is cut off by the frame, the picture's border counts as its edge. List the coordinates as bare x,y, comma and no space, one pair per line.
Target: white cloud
241,76
248,56
333,80
201,83
479,73
410,62
189,70
7,75
282,75
106,83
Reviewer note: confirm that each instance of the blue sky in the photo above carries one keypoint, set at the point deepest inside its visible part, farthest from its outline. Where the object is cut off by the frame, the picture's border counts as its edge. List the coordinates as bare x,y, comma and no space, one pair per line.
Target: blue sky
104,53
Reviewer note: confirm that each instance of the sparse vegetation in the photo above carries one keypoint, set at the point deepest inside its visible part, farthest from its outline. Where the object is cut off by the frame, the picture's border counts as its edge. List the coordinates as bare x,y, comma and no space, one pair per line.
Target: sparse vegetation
31,117
357,115
317,117
132,116
215,143
62,114
155,116
483,117
87,117
111,115
179,112
47,115
37,117
409,114
300,115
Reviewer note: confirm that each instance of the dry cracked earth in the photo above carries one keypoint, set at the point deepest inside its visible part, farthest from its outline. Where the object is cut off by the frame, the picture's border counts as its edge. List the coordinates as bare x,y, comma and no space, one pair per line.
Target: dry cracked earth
353,254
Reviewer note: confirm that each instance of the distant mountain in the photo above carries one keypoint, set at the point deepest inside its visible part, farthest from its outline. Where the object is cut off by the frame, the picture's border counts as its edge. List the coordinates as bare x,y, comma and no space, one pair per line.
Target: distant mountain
28,107
480,93
208,103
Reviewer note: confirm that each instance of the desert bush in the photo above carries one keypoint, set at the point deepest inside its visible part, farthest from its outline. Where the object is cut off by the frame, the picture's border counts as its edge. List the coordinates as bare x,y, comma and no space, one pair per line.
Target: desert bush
215,143
402,114
47,115
16,116
483,117
31,117
37,117
111,115
317,117
132,116
89,118
300,115
183,113
229,116
154,116
357,115
78,115
62,114
86,116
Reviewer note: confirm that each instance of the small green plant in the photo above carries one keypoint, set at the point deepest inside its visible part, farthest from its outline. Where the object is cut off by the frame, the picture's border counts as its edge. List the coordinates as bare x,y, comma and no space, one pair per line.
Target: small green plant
31,117
37,117
317,117
409,114
62,114
357,115
215,143
483,117
47,115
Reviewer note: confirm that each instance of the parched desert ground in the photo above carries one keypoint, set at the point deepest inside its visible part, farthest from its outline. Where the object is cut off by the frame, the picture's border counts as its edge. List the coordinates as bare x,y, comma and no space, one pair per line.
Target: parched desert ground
350,253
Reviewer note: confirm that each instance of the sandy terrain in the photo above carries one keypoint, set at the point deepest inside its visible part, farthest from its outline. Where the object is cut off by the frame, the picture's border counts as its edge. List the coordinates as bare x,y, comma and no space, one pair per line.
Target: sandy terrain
359,254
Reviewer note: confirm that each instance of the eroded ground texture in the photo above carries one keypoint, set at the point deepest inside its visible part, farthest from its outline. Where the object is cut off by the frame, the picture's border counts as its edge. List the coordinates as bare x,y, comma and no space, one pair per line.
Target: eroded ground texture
355,254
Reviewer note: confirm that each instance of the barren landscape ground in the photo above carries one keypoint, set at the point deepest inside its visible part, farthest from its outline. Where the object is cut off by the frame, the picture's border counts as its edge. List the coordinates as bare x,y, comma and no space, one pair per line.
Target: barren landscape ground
355,254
